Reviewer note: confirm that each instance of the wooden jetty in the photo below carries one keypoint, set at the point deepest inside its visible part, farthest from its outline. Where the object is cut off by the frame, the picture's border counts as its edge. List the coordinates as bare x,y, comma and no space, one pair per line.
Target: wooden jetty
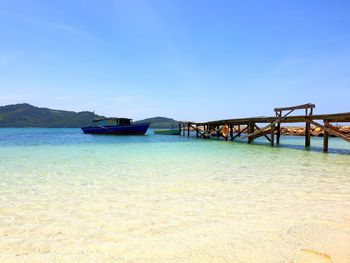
247,128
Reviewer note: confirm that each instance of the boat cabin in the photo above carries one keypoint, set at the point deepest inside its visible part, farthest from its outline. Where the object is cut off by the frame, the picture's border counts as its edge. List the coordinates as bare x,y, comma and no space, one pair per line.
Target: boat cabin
112,122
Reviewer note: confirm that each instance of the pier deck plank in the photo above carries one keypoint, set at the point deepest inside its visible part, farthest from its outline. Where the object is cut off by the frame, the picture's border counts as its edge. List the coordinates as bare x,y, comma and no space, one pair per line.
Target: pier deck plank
337,117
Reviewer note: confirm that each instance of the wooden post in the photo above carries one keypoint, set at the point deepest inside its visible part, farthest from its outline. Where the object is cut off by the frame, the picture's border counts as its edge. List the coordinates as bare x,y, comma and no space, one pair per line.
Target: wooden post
273,135
227,134
179,129
231,132
183,129
250,130
307,134
217,132
325,139
278,115
196,131
188,130
239,130
278,133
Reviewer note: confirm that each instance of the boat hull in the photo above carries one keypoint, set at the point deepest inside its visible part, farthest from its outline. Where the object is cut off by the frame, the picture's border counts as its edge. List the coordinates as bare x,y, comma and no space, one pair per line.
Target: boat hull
167,132
133,129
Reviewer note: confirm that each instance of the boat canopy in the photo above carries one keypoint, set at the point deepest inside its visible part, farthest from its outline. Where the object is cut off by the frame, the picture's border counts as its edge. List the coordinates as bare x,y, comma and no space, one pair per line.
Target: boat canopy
112,121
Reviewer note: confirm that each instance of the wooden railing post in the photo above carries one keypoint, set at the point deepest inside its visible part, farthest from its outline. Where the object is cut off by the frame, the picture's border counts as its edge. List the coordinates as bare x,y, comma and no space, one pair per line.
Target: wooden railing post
308,112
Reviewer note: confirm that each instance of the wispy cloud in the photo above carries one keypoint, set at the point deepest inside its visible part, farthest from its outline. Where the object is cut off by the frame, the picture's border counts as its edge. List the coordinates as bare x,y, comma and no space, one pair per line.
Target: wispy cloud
64,27
40,22
71,30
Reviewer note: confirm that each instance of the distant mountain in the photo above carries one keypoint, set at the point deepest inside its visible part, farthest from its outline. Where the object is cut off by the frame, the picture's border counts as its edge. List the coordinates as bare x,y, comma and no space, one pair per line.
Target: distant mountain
26,115
160,122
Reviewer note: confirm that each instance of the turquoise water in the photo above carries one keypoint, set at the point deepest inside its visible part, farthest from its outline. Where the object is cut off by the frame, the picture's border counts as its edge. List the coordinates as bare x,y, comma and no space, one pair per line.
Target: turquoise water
66,196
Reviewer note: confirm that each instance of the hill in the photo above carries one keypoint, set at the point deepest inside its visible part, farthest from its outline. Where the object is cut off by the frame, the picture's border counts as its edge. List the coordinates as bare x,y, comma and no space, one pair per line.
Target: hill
160,122
26,115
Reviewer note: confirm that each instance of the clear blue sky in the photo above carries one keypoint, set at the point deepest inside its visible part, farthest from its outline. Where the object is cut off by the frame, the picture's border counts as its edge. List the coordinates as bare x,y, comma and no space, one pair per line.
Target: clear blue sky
191,60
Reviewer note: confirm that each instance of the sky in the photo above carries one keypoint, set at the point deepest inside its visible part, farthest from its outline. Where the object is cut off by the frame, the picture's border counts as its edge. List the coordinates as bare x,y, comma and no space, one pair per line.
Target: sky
186,59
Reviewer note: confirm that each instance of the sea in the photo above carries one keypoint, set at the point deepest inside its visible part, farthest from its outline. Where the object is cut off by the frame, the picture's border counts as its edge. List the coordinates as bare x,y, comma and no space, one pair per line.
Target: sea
70,197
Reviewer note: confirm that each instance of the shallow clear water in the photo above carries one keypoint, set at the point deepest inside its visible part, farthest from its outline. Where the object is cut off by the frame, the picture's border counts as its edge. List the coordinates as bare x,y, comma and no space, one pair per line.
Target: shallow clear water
70,197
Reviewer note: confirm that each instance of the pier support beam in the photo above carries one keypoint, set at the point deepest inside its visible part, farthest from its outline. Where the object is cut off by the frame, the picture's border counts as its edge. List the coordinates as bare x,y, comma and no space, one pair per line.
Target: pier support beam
307,134
325,137
239,134
273,135
278,133
231,132
325,141
179,129
250,130
196,131
188,130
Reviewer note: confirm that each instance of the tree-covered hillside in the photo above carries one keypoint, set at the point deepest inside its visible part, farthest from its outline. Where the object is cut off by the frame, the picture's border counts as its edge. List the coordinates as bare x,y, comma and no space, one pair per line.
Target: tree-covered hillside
26,115
161,122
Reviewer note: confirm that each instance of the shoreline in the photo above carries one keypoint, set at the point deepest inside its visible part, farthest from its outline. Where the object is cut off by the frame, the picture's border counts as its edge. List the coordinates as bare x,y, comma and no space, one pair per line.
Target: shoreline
314,131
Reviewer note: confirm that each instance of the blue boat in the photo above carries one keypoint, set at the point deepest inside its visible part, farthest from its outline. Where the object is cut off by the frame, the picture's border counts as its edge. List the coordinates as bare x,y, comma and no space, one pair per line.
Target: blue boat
116,126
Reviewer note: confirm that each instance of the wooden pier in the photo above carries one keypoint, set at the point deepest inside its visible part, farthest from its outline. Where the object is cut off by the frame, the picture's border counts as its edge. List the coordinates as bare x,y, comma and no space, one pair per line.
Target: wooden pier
247,128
